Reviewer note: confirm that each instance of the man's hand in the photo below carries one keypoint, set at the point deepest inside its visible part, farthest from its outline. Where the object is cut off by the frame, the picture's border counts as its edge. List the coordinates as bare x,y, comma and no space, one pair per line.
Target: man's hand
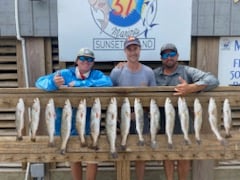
120,65
58,79
184,88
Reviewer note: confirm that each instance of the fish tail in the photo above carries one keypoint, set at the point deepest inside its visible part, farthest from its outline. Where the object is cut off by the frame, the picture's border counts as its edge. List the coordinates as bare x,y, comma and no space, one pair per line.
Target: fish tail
51,144
114,155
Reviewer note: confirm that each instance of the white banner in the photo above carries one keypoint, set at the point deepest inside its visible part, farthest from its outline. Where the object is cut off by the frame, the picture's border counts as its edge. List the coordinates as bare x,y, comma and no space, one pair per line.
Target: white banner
229,61
103,25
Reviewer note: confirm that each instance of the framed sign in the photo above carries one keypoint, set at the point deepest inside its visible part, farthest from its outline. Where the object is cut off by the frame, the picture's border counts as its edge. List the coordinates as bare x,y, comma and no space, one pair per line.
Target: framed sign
103,25
229,61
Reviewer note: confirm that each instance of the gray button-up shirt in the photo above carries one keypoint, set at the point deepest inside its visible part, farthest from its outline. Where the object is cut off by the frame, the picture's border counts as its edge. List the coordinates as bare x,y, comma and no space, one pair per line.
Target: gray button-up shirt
190,74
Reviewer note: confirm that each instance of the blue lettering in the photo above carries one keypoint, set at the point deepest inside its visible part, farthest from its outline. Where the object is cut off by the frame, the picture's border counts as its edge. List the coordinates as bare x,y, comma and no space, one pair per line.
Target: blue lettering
237,45
236,62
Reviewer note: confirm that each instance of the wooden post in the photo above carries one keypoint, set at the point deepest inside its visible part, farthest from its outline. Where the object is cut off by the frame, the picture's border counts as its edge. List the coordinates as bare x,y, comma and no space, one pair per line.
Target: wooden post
123,170
207,60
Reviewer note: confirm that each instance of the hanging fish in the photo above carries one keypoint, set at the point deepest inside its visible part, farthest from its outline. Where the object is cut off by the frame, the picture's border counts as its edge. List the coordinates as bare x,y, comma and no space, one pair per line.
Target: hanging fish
184,118
20,108
95,122
35,116
50,117
111,126
125,122
170,121
66,124
139,117
154,122
227,117
81,121
197,119
213,120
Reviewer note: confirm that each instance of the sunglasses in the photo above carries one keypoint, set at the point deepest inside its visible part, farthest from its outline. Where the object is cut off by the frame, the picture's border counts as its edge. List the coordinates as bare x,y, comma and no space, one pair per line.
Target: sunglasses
84,58
170,54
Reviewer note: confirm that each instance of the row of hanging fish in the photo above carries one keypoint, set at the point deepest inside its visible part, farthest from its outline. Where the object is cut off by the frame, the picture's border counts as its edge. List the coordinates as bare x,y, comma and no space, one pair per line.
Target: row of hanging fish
125,119
184,119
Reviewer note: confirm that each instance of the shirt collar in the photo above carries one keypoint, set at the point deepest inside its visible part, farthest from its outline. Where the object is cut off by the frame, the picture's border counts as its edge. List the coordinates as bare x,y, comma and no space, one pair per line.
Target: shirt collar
78,73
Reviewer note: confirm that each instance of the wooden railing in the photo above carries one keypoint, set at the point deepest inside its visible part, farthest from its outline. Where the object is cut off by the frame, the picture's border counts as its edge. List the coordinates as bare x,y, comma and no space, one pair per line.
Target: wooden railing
27,151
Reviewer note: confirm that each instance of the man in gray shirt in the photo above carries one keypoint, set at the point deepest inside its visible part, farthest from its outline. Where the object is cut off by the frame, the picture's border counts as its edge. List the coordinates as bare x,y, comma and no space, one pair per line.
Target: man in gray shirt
186,80
134,73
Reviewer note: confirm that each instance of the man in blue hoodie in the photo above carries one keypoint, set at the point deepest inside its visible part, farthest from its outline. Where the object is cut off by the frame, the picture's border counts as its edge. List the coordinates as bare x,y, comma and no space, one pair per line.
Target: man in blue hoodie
82,75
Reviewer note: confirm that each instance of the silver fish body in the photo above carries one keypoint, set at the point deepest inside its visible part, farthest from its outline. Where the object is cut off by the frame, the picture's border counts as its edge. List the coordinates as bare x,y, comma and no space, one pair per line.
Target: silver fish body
50,118
35,116
111,126
66,125
170,120
81,121
227,117
19,121
184,118
213,119
154,122
125,121
139,118
197,119
95,122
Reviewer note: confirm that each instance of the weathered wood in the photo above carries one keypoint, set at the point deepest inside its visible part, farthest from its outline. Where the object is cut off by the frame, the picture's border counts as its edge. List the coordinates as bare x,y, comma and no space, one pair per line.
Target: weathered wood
123,170
27,151
36,58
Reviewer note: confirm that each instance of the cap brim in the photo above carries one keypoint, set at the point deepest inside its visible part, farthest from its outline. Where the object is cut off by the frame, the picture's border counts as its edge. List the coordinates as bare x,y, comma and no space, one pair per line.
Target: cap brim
131,43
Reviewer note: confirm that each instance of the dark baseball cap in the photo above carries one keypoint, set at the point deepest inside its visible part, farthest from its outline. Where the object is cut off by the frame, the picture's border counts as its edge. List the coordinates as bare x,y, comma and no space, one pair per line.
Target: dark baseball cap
168,46
131,40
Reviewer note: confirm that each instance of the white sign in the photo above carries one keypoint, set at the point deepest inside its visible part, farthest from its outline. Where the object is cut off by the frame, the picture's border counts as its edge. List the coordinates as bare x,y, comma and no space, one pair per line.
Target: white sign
103,25
229,61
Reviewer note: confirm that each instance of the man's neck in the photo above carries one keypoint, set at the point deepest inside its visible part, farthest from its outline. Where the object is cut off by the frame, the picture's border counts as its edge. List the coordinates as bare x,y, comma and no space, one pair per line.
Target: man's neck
168,71
134,66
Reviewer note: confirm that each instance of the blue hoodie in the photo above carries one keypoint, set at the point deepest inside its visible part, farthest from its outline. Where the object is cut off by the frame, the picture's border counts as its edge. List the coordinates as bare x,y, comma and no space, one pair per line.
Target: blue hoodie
96,78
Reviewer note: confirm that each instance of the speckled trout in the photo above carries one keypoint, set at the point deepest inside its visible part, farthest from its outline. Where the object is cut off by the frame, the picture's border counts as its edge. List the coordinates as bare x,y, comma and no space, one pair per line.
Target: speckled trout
197,119
111,126
66,125
184,118
213,120
81,121
139,117
50,118
154,122
170,121
227,117
125,122
35,116
19,121
95,122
